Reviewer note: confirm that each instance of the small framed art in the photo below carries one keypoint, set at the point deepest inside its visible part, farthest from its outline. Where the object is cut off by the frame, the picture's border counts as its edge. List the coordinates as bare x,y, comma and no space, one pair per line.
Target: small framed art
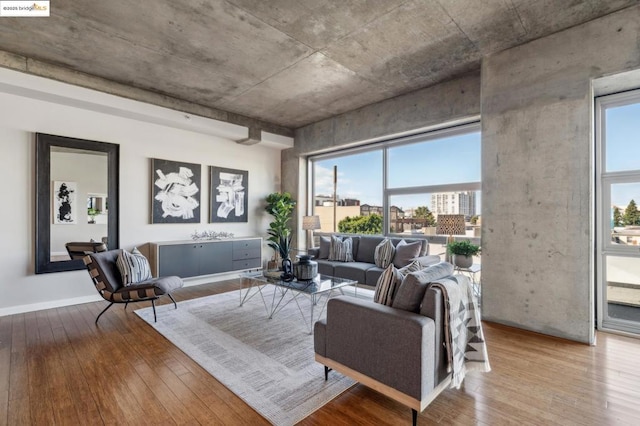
229,195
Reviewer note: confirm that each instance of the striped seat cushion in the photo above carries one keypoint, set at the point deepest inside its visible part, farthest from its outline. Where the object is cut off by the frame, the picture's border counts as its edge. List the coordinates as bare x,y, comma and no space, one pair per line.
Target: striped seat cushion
133,267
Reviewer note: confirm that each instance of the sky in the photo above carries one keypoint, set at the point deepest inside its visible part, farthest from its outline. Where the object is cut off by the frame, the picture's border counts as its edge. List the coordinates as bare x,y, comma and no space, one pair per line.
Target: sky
622,126
423,163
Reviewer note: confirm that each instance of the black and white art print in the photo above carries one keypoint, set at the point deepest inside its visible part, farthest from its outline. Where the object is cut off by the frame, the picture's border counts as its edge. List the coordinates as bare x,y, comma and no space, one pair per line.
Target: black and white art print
176,192
65,209
229,195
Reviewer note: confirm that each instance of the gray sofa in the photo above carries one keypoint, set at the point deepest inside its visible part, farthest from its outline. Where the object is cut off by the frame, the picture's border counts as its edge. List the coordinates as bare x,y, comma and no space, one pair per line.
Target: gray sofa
363,268
400,353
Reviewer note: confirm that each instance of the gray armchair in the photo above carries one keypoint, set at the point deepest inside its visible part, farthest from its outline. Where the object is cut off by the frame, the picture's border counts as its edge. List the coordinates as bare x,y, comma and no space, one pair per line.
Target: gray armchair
399,353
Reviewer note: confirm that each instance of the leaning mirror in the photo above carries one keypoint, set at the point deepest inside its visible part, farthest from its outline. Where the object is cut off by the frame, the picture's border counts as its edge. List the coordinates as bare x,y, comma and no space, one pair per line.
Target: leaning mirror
76,198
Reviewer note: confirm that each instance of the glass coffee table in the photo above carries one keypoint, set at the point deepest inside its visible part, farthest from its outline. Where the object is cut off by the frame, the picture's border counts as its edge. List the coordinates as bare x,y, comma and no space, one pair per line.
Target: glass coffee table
321,287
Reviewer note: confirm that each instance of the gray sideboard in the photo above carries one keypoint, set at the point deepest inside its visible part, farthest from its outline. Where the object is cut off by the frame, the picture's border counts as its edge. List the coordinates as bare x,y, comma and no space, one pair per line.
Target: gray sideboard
190,258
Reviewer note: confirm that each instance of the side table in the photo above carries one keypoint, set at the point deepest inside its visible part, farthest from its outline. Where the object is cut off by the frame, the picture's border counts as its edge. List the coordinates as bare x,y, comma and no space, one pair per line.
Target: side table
473,272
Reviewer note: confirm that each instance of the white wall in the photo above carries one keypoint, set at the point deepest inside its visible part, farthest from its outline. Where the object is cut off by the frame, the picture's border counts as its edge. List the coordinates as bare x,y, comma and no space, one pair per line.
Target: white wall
21,117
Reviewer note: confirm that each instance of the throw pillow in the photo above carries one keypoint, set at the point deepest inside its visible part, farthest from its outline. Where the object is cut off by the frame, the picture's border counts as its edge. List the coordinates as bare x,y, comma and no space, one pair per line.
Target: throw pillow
341,250
383,254
133,267
414,285
414,266
391,278
325,243
387,285
405,253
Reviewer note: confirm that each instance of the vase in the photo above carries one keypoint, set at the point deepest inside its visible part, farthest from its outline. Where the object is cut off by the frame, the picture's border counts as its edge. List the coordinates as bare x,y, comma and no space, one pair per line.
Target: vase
305,269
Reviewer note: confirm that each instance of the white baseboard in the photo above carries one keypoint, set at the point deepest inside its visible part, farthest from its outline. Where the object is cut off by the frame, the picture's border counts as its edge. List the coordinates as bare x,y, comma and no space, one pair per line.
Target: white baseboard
11,310
48,305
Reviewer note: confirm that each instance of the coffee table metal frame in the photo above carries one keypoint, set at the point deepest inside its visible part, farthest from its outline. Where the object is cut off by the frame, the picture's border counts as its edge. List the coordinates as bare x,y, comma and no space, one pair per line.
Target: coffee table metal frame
253,283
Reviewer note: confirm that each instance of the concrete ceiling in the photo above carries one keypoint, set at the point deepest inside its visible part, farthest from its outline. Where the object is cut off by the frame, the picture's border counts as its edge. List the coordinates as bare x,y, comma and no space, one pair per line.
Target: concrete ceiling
287,62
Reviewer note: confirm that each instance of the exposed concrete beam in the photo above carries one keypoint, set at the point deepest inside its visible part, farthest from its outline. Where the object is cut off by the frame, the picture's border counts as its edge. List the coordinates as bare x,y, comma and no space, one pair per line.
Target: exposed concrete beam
255,136
66,75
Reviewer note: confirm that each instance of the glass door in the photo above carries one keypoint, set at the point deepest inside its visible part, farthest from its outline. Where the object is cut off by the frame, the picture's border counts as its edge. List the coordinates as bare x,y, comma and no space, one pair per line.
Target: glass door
618,202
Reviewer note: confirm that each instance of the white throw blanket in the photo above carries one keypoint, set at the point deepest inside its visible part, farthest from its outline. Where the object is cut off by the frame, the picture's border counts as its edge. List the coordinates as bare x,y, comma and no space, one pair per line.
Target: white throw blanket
464,340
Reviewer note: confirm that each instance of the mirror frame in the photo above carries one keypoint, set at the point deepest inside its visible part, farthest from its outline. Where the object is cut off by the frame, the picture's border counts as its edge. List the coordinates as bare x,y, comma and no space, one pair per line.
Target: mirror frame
44,142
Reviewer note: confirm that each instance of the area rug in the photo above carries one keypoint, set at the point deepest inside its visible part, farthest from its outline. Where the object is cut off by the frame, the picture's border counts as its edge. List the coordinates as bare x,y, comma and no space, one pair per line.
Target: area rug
269,363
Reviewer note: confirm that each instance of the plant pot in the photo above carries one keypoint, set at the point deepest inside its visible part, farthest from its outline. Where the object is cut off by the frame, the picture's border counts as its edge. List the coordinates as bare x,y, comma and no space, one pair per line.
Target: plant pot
462,261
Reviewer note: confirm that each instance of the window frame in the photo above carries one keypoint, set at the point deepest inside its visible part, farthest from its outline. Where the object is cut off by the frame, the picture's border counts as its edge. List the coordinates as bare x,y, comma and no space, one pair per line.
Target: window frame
393,142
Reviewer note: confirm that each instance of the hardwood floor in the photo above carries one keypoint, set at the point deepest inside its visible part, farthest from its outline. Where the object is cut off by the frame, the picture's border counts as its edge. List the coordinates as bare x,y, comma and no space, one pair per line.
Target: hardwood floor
57,367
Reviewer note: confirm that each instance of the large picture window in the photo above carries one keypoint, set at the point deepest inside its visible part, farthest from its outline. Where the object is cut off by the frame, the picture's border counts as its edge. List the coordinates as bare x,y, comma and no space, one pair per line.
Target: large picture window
400,186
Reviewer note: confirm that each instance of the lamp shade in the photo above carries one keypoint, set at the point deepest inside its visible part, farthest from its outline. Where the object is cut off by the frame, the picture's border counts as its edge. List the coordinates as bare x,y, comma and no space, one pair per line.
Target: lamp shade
310,222
450,224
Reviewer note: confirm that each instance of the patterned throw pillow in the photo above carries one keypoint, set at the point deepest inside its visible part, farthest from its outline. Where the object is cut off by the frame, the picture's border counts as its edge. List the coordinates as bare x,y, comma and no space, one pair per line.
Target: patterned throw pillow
134,267
387,285
383,255
341,250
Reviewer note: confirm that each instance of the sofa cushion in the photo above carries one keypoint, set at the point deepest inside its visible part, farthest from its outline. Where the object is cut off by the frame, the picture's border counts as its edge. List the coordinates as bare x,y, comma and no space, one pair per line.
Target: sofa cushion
356,271
355,245
367,248
414,285
372,276
406,252
134,267
325,243
340,249
325,267
383,254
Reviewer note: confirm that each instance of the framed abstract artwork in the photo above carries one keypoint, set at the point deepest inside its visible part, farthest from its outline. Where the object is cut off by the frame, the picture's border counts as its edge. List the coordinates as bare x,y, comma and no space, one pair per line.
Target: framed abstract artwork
176,191
65,209
229,195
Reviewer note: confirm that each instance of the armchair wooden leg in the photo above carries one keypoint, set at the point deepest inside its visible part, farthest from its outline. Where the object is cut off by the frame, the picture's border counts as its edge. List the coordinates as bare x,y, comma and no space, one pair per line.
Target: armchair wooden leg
103,311
173,300
153,304
414,414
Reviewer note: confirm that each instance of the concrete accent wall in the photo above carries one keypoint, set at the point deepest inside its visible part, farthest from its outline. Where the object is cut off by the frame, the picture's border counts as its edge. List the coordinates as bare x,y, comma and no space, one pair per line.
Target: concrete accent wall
537,138
454,100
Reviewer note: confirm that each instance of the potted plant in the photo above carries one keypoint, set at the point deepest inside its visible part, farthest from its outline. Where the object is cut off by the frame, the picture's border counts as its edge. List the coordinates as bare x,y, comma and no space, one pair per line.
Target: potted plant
91,212
280,206
463,252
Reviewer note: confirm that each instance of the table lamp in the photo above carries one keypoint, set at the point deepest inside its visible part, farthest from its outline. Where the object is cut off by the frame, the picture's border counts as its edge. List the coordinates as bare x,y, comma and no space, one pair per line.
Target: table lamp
309,223
450,224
